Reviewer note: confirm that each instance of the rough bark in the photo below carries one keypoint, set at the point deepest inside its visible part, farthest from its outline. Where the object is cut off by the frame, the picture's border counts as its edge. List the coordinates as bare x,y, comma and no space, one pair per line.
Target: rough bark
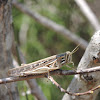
81,83
7,91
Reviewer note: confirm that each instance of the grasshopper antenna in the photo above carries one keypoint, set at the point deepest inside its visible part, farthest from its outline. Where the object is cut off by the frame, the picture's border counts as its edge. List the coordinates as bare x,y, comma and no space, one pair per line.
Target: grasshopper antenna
75,49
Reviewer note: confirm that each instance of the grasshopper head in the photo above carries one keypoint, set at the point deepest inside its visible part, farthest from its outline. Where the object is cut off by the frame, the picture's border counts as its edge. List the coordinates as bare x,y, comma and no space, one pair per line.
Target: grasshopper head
68,57
69,54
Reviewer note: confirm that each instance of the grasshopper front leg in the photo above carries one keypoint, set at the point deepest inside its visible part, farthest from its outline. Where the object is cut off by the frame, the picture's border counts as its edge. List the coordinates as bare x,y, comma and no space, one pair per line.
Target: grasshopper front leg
73,68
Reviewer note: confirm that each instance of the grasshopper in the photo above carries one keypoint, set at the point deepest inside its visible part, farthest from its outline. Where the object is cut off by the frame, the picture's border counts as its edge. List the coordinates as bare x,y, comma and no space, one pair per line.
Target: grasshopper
43,66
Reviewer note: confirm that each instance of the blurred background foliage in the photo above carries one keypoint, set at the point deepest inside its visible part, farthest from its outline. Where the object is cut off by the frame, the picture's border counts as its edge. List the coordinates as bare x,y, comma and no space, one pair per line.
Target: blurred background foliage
37,42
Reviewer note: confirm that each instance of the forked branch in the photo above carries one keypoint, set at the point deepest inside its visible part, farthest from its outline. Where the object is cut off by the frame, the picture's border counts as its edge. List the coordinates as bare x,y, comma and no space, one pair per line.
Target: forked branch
56,72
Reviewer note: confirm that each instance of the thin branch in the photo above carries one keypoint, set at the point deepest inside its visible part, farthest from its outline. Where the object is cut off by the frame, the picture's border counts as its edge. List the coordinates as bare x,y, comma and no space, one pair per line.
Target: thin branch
88,13
51,25
70,93
56,72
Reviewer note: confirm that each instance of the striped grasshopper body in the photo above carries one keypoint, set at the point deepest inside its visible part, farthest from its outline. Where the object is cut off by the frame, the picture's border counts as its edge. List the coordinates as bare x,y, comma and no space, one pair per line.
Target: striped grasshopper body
43,66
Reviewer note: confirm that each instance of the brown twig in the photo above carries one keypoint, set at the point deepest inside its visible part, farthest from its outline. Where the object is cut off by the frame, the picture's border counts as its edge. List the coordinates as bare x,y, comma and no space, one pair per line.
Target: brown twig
56,72
70,93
